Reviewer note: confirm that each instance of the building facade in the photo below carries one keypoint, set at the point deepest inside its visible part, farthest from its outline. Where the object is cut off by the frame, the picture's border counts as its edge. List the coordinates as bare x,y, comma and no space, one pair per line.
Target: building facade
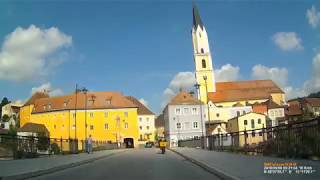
11,109
106,116
146,122
250,122
183,118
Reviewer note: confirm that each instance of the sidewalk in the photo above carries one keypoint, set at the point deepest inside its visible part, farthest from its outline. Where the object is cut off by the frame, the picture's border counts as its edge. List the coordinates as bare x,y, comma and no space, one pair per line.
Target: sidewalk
23,168
237,166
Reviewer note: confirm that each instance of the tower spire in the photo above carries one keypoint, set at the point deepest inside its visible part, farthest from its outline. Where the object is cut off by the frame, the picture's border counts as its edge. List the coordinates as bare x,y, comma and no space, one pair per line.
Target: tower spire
196,16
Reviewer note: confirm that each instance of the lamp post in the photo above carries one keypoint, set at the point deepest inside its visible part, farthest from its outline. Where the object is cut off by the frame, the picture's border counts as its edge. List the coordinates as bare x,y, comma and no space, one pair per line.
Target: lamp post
205,80
85,91
197,86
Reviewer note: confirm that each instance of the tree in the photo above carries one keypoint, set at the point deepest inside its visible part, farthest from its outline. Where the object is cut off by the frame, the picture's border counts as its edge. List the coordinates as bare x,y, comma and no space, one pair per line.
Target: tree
4,101
314,95
5,118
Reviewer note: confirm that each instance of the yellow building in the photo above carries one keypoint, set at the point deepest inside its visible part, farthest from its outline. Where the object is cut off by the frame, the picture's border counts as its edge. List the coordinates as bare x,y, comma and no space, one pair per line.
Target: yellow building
146,122
106,116
251,123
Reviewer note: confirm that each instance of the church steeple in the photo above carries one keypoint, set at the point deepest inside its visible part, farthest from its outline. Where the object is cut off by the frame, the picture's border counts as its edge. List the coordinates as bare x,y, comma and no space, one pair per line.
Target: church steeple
202,57
196,17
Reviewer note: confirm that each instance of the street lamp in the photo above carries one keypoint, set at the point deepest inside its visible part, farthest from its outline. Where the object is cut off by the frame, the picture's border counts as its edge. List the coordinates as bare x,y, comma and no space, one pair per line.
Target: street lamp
205,80
85,91
197,86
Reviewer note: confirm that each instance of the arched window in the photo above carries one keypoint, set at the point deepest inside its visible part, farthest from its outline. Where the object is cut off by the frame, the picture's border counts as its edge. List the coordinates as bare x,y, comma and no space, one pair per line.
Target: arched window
202,51
204,65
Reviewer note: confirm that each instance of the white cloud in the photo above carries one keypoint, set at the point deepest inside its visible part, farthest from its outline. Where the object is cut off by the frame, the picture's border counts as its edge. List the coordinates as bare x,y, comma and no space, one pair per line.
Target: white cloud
287,41
143,101
48,88
182,80
313,85
227,73
31,53
313,16
277,74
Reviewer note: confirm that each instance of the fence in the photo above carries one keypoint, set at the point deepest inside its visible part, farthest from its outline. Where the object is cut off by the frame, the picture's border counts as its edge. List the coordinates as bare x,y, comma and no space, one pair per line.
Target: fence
30,146
300,140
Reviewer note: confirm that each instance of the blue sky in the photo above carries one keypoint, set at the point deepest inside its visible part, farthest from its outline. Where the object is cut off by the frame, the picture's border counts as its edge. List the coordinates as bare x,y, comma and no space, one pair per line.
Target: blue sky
139,47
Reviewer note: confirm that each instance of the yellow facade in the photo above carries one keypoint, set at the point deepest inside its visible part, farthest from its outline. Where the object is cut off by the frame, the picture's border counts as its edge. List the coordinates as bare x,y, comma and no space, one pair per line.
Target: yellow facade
103,125
252,123
25,114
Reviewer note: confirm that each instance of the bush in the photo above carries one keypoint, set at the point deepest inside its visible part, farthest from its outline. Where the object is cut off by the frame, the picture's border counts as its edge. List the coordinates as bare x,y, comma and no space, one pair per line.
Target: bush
43,142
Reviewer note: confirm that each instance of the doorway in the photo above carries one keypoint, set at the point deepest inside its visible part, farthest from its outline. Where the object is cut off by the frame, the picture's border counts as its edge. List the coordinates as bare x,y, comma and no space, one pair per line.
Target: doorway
128,142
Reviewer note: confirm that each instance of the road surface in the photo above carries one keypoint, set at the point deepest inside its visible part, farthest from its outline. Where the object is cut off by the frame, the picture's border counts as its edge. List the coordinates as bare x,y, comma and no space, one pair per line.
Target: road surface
135,164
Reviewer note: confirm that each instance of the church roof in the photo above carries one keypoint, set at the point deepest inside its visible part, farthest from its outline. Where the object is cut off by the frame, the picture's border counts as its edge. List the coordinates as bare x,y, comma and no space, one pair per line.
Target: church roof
243,90
196,17
35,96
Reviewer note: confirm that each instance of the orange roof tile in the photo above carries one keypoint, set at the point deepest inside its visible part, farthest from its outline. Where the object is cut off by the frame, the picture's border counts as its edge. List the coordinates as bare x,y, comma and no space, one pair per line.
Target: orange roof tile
142,109
95,100
35,96
243,90
184,98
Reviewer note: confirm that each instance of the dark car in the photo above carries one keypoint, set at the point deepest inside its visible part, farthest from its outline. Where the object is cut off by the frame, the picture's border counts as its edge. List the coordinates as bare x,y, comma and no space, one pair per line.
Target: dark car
149,144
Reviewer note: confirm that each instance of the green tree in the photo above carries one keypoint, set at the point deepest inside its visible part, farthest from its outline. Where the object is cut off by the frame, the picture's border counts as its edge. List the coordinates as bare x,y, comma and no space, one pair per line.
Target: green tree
5,118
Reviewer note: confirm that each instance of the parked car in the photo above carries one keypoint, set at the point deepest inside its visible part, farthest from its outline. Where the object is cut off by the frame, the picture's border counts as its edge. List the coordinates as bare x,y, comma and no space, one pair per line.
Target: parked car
149,144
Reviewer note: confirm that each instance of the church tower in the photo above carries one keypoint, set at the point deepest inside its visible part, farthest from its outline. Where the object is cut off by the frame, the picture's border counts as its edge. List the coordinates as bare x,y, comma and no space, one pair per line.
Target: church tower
202,57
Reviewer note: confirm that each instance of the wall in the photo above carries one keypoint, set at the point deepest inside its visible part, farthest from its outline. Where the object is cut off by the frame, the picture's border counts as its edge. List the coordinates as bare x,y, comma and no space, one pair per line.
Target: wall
145,121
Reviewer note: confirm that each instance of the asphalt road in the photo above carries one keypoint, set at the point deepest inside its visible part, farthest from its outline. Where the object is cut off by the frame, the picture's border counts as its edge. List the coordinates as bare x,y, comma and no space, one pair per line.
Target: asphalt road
135,164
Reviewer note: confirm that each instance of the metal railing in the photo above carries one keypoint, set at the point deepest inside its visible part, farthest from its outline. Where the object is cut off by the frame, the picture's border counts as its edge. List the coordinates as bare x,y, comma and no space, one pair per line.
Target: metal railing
31,146
300,140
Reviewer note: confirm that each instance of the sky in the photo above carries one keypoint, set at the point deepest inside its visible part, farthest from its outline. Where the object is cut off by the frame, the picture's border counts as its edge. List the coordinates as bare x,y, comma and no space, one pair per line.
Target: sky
144,48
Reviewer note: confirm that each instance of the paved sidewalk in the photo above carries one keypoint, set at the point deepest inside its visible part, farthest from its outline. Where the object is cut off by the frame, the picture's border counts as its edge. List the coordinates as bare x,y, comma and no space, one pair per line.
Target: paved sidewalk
237,166
22,168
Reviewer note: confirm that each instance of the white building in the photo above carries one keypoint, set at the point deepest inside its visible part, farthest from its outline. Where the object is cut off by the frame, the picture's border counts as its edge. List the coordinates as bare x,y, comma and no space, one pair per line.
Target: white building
11,109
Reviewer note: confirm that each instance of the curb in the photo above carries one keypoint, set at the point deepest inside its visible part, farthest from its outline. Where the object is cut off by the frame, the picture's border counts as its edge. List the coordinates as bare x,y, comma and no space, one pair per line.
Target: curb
55,169
210,169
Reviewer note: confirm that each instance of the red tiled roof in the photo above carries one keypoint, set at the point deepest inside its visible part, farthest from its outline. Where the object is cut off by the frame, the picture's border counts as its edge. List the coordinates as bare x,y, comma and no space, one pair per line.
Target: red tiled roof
142,109
313,101
184,98
243,90
95,100
35,96
293,110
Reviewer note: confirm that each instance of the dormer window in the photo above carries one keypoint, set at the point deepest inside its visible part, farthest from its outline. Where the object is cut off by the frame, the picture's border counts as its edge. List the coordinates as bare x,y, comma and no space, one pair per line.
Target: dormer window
44,107
65,104
108,101
49,106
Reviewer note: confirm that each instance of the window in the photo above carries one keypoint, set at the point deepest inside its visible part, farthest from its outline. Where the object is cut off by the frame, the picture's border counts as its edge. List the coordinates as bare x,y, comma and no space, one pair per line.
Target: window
186,110
108,101
178,111
126,125
245,122
194,111
260,133
259,121
73,126
65,104
106,126
140,119
204,65
147,119
91,127
126,114
252,123
49,106
202,51
54,126
140,127
148,127
276,113
195,125
178,125
217,114
44,107
272,113
253,134
226,125
91,115
105,114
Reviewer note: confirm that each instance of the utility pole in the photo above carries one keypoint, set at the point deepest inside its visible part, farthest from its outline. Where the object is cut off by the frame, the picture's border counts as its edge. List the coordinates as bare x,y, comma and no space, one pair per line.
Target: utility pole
201,119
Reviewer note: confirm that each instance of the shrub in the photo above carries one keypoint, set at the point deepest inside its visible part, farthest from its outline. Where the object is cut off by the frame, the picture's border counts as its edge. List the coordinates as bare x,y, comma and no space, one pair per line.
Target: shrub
55,148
